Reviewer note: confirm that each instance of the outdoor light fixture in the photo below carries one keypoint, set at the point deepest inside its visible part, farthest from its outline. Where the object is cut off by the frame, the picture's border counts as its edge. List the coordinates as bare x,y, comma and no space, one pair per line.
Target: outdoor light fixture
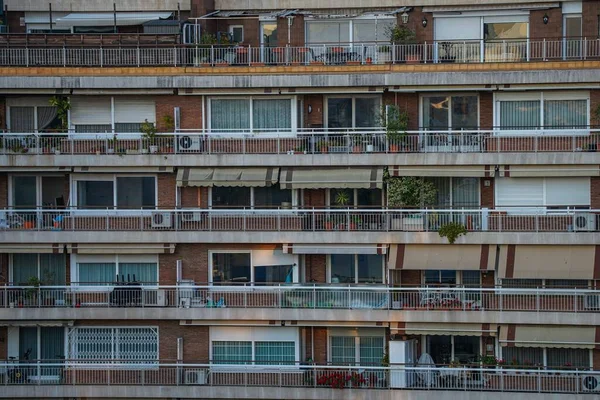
309,109
545,18
424,22
404,17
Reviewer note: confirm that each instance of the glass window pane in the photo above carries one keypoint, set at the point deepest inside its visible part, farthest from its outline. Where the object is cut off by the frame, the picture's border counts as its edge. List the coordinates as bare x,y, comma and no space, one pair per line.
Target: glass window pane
522,283
52,345
519,356
129,127
341,197
272,115
231,267
24,191
369,197
24,266
573,27
466,349
567,283
560,114
367,112
435,113
269,32
448,277
371,351
53,191
364,31
471,278
275,353
229,352
53,269
230,196
464,112
370,268
134,192
230,114
330,32
520,114
95,194
440,348
443,191
97,273
505,30
144,273
238,34
432,276
339,113
271,274
343,350
28,341
271,196
342,268
465,192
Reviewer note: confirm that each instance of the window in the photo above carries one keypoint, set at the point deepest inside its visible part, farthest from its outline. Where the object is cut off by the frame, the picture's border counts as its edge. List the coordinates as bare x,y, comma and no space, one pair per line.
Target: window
111,269
353,112
42,343
231,196
258,266
505,30
48,268
30,191
237,33
345,31
343,350
252,115
231,268
545,110
274,274
363,198
122,192
519,356
356,350
330,32
548,283
471,278
575,358
356,268
254,197
34,118
450,112
232,352
456,192
99,114
278,353
440,277
124,344
542,192
522,283
445,348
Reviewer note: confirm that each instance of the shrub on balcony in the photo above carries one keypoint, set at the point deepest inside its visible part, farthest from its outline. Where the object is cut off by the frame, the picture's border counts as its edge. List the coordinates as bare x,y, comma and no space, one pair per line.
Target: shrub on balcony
63,105
410,191
452,230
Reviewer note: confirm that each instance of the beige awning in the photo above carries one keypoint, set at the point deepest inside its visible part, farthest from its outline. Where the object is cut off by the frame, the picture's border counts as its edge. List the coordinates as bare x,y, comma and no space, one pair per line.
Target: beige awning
248,177
486,7
23,322
553,170
35,169
424,328
38,248
546,262
335,249
442,256
116,170
469,171
573,337
121,248
335,178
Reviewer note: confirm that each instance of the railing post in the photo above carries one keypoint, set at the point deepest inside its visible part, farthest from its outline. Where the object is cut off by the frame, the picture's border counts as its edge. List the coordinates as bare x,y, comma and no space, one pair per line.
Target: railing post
27,56
101,57
393,53
64,54
138,55
544,49
314,220
585,48
537,299
575,297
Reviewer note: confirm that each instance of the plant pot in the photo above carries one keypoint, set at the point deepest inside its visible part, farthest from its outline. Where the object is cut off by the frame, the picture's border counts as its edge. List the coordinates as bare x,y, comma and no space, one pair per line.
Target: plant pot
353,226
394,148
286,205
329,226
413,59
369,60
356,149
324,149
29,225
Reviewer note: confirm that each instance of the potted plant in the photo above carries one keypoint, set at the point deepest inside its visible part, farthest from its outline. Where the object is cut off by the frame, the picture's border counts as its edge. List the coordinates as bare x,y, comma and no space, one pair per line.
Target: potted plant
168,123
357,143
452,230
406,41
110,145
355,222
342,198
32,293
323,146
384,54
149,131
328,224
395,122
410,192
203,54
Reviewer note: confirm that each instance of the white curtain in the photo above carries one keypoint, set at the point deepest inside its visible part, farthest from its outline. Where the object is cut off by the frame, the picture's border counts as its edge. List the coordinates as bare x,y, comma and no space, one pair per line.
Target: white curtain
230,114
272,115
520,114
465,192
560,114
45,116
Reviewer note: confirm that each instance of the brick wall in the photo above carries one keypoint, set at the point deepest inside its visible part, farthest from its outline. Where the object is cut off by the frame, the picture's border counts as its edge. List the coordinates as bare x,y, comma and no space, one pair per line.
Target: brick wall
3,190
296,32
190,108
194,197
3,268
488,279
13,20
316,268
251,29
2,113
201,7
537,29
486,110
415,18
596,358
590,14
315,118
594,105
320,344
410,277
315,198
487,193
409,102
166,184
595,192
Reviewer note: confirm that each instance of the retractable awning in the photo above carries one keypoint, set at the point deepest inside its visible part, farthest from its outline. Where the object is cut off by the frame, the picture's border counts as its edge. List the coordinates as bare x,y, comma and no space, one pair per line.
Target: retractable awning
546,171
115,170
490,7
468,171
334,178
571,337
229,177
37,248
121,248
335,249
442,257
424,328
108,19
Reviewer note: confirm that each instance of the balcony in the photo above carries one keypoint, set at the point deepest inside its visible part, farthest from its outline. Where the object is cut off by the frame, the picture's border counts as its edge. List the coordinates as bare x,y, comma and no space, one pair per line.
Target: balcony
36,52
74,378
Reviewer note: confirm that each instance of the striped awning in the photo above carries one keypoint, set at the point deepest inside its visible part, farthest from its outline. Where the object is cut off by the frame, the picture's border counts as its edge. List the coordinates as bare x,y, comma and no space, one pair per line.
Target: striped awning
121,248
427,328
335,249
442,257
468,171
571,337
334,178
228,177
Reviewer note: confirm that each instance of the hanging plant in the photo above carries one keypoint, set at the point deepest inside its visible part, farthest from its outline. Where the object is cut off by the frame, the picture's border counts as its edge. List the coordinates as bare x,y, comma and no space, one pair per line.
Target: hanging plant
63,105
410,191
452,230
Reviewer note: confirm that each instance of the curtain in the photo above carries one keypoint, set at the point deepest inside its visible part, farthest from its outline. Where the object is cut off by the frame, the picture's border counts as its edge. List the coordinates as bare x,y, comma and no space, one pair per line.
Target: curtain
22,119
229,352
95,194
371,351
275,353
45,116
577,358
328,32
442,184
560,114
28,339
523,355
52,347
24,191
146,273
24,266
339,112
230,115
465,192
520,114
53,269
272,115
97,273
343,350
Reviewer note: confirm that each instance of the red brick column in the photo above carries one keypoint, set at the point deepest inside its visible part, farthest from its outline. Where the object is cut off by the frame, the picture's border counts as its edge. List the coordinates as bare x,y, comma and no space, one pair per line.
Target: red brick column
553,29
166,184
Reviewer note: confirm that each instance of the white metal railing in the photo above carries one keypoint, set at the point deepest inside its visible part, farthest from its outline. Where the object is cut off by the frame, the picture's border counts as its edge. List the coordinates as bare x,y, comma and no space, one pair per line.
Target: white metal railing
301,296
300,220
449,51
393,377
303,141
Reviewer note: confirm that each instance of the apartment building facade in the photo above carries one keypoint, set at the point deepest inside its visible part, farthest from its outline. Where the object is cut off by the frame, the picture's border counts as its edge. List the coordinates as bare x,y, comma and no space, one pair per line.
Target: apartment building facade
210,199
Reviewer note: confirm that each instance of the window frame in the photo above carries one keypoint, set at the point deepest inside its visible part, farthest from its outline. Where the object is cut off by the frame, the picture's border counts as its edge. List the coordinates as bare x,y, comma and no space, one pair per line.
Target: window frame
329,199
252,205
350,21
39,268
116,259
545,356
353,97
231,32
449,95
38,187
253,257
357,334
544,207
356,282
451,189
76,178
425,344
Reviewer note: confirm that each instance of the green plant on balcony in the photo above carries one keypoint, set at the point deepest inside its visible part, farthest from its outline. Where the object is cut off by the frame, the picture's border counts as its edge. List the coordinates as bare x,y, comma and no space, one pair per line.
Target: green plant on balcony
452,230
63,105
410,191
208,39
31,293
322,146
395,122
149,131
342,198
168,123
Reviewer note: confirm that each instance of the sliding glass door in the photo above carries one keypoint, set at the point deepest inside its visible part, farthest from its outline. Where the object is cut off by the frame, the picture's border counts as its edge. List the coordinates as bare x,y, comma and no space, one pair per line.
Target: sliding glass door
450,121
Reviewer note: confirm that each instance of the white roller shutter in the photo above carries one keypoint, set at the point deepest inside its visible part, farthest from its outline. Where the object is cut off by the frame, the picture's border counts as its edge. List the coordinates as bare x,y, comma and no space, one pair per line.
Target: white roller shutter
457,28
568,191
519,192
90,110
130,110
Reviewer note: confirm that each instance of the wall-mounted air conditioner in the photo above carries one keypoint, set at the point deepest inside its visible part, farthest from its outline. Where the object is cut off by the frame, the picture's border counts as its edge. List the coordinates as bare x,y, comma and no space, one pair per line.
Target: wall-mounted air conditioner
590,383
195,377
584,222
161,219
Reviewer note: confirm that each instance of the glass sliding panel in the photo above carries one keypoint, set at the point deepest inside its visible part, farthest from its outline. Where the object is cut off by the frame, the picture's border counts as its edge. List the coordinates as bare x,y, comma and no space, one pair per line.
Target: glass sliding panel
560,114
466,349
330,32
130,127
22,119
440,348
465,192
230,196
567,284
370,268
505,30
28,343
52,347
464,112
231,352
272,274
24,191
443,192
95,194
371,351
275,353
523,355
573,33
230,115
435,113
343,350
271,196
136,192
47,119
342,268
144,273
272,115
369,198
364,31
367,112
24,267
93,128
520,114
576,358
471,278
269,34
97,273
53,190
53,269
339,113
448,277
231,267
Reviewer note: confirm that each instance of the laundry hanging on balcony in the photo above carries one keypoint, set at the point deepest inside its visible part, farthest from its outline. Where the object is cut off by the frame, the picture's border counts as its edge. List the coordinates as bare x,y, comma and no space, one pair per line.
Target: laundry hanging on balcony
334,178
228,177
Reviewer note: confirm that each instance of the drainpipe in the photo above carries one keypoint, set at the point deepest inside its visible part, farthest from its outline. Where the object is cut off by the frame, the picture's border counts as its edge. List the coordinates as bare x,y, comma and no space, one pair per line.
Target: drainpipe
290,22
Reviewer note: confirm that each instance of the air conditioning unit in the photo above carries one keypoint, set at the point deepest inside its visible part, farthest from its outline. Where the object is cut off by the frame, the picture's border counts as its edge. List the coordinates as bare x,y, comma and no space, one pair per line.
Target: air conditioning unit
590,383
584,222
155,298
195,377
191,216
189,144
591,302
162,220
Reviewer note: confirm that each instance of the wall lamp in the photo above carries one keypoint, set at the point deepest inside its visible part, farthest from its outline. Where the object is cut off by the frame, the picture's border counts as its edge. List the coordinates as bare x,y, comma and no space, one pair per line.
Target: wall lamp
545,19
424,22
404,17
